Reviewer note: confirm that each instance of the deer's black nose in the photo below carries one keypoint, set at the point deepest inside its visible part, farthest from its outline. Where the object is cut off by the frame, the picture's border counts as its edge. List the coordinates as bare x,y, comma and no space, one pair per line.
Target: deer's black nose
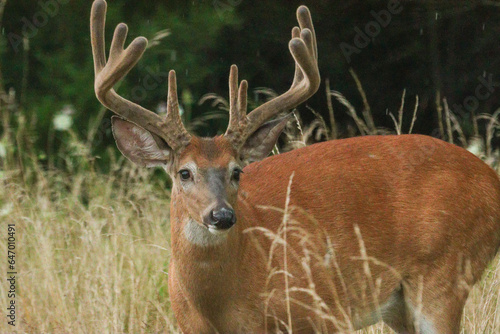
223,218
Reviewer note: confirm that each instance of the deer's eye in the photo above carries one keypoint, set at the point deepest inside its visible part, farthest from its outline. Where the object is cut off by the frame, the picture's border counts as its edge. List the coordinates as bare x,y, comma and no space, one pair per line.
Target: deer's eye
185,174
236,174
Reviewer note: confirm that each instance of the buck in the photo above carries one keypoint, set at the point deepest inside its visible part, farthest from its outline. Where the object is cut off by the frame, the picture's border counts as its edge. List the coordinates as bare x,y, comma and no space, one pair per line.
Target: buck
328,238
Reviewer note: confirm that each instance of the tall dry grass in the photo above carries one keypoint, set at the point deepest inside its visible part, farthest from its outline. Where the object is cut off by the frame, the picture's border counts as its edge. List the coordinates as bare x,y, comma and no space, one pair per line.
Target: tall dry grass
92,249
92,252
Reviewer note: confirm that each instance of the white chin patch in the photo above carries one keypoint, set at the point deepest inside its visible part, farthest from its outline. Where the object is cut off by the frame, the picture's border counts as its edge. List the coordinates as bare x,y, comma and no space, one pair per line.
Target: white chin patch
217,231
199,235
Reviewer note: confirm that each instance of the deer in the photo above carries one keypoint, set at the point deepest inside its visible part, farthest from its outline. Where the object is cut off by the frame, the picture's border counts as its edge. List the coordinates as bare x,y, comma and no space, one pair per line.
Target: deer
332,237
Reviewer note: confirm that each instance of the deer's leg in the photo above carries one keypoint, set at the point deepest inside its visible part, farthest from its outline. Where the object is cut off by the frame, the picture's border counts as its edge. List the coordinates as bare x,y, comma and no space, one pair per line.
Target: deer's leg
397,315
434,303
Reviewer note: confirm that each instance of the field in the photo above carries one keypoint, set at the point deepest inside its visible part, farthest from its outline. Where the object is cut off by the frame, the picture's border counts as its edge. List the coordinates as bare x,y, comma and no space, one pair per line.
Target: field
87,233
93,247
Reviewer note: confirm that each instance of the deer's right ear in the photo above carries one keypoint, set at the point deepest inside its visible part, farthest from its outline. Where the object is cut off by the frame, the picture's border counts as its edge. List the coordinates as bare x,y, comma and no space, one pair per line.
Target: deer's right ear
138,145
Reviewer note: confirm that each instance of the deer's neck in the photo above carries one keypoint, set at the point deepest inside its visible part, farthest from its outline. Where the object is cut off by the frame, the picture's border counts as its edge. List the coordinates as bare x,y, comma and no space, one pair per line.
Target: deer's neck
206,265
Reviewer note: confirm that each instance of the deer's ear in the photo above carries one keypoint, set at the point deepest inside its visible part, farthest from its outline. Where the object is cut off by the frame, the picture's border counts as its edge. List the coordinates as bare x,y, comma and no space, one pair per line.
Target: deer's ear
262,141
139,145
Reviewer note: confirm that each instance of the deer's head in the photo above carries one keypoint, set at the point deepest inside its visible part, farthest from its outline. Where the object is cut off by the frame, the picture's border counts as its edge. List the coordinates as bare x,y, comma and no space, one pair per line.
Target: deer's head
205,171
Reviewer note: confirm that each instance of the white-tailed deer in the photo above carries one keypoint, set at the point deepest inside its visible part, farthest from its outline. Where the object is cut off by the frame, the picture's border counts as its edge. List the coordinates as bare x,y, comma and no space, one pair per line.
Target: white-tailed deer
328,238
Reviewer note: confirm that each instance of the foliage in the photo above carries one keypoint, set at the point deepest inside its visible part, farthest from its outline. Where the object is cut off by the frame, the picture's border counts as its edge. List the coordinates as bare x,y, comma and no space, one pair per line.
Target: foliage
434,50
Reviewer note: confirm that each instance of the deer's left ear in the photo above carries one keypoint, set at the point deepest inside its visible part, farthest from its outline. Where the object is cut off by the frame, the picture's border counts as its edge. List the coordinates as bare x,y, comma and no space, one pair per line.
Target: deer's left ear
262,141
139,145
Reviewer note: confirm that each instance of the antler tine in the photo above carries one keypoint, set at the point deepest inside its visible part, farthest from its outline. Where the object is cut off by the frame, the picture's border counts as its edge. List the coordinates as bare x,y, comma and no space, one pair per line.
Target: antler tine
237,104
233,100
306,79
120,62
242,99
97,21
298,76
181,137
305,22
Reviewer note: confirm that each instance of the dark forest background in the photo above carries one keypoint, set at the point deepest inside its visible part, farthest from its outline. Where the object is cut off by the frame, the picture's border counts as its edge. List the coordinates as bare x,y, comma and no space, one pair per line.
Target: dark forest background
433,49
